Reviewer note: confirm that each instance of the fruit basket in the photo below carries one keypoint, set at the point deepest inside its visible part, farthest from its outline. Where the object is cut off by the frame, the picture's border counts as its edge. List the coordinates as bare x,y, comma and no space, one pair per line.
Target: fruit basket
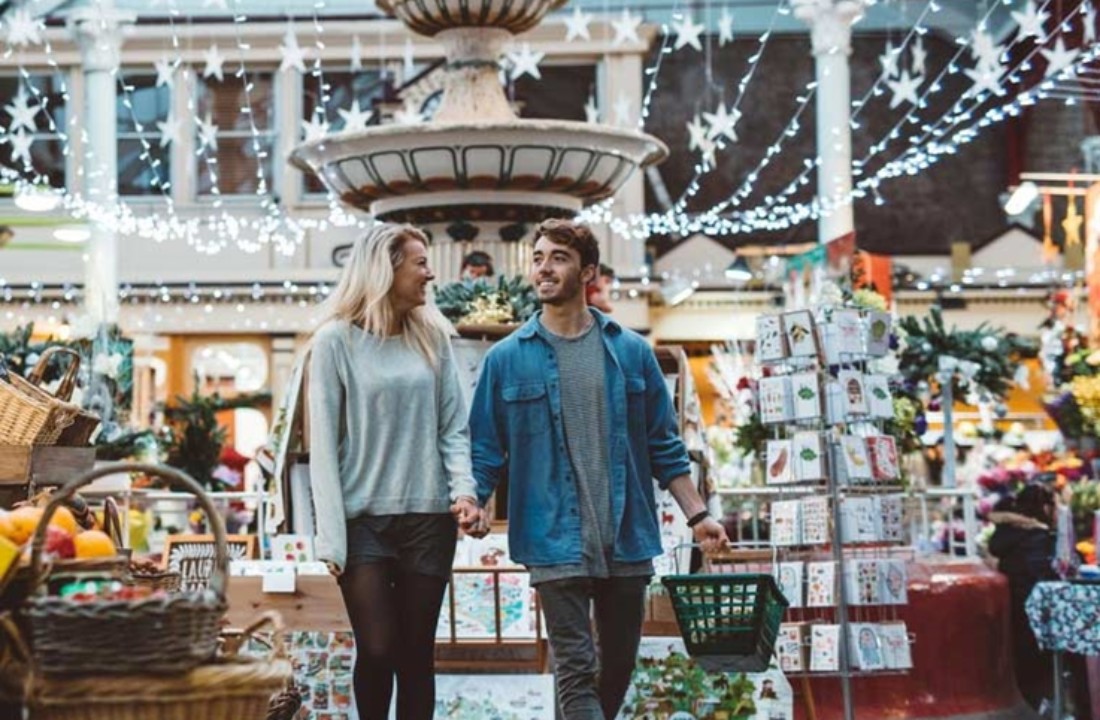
31,415
233,687
128,632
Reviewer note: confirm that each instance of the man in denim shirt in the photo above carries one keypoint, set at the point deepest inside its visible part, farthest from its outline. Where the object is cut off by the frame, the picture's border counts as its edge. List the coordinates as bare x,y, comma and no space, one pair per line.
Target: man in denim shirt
577,410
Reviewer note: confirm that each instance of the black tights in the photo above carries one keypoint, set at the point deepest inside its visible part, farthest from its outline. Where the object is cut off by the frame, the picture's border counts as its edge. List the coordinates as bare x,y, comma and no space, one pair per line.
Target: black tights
394,617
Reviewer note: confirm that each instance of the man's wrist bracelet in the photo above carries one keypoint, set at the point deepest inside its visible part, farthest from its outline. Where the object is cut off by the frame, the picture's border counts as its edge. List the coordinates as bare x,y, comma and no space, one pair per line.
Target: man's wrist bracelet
698,518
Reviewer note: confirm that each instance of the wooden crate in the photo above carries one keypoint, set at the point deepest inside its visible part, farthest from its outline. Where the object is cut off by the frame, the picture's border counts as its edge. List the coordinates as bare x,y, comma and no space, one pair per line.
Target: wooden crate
42,464
316,604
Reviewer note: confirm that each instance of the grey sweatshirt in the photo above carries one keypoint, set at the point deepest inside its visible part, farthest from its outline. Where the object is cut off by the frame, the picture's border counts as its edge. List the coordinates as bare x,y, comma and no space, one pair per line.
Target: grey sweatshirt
388,435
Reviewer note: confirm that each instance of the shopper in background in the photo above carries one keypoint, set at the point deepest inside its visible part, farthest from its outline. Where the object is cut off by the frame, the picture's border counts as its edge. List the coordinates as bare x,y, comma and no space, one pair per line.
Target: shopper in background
477,264
598,292
576,409
389,454
1023,543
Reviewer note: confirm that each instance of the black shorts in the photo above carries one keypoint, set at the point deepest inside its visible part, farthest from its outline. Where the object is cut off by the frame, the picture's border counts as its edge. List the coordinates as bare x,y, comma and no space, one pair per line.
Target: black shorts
420,543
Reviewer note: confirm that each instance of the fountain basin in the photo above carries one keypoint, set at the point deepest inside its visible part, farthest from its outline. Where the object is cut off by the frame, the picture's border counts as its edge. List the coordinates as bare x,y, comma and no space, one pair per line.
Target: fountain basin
429,17
509,171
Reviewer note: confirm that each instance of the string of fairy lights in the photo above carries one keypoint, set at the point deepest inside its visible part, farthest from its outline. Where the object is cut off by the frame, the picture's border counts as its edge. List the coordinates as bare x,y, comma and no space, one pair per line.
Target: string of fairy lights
936,138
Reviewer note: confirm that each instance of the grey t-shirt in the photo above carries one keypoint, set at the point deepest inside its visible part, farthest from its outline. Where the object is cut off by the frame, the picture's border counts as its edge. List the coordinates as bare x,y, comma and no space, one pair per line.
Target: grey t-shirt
584,415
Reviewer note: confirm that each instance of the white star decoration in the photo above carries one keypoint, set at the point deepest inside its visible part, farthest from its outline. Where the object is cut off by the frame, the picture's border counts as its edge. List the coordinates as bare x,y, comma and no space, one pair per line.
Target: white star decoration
355,119
408,116
213,64
697,133
166,70
1058,57
687,33
904,89
707,154
1088,36
1030,20
919,56
624,110
591,111
291,53
21,146
725,28
315,128
986,78
169,131
22,114
626,29
984,49
889,60
525,62
208,133
722,124
576,25
22,28
356,54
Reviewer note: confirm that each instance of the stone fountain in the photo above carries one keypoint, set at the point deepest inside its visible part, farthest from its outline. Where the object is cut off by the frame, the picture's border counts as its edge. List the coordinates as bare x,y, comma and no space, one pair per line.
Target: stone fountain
476,176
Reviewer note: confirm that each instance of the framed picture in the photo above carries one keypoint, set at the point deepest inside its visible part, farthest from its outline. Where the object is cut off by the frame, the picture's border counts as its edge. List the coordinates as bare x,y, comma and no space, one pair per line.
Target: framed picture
798,326
192,556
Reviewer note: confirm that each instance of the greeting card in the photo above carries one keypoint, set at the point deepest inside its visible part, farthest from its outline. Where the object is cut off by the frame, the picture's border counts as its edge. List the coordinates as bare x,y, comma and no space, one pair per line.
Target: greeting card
849,332
893,579
785,523
895,646
883,452
855,395
292,548
821,583
798,326
857,464
866,647
806,396
890,511
808,451
828,338
815,521
825,648
836,407
790,646
880,403
779,462
878,333
775,399
858,520
789,579
771,342
863,582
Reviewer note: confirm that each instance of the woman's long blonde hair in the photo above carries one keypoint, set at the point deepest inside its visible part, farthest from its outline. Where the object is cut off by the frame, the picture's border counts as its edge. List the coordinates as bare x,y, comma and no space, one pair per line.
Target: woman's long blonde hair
362,295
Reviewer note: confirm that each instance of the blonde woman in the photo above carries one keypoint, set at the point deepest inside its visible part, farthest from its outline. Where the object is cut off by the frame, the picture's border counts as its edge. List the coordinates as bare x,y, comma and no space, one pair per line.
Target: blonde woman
389,454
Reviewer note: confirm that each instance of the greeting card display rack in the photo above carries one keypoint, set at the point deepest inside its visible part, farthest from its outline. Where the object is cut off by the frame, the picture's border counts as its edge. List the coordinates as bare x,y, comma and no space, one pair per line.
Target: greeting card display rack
833,486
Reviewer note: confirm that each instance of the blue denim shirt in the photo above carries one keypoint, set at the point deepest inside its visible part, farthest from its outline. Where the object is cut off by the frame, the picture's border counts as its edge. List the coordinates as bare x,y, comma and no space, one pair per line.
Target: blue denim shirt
515,422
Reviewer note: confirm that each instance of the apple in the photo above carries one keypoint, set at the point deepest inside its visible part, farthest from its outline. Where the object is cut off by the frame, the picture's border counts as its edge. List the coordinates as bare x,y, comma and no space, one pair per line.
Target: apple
59,543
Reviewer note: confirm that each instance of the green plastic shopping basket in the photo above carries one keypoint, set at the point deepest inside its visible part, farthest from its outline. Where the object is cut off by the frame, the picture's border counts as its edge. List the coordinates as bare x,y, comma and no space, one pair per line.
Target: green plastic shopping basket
729,622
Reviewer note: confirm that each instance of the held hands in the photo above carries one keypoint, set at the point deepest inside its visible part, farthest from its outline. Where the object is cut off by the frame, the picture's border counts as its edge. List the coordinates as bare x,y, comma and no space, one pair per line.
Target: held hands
710,534
473,520
333,569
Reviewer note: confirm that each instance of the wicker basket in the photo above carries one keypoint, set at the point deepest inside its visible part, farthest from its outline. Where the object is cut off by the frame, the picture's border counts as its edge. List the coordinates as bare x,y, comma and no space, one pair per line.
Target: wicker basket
84,424
171,634
29,415
232,688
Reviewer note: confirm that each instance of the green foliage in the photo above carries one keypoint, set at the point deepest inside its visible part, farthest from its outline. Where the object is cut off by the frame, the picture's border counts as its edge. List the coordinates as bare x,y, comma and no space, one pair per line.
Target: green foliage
196,438
929,339
456,300
125,446
677,684
751,436
1084,502
19,354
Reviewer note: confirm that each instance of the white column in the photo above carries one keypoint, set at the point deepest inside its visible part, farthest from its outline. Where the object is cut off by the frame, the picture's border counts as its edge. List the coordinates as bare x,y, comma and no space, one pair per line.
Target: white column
98,31
830,24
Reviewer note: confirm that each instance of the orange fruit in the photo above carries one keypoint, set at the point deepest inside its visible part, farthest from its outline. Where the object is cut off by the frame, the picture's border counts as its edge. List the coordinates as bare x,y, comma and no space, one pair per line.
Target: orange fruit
7,527
24,520
94,544
63,518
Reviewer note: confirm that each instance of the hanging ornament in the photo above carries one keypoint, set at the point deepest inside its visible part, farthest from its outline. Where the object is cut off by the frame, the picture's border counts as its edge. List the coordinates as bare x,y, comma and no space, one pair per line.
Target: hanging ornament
213,62
291,53
591,110
626,28
697,133
23,29
354,118
1059,58
904,89
687,33
725,28
1000,410
990,343
1030,20
22,114
166,70
356,54
525,62
21,146
576,25
1050,250
918,56
722,123
889,60
169,130
1071,225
